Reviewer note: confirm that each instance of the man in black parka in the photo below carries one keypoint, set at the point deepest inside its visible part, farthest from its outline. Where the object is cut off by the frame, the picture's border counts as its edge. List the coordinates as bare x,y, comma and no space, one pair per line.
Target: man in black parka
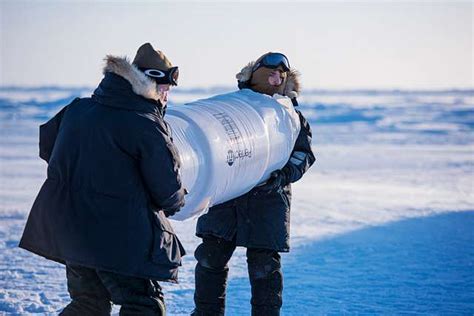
113,178
258,220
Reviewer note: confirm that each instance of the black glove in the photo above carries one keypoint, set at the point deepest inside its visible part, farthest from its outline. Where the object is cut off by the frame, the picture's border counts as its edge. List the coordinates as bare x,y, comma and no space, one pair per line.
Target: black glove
277,179
171,211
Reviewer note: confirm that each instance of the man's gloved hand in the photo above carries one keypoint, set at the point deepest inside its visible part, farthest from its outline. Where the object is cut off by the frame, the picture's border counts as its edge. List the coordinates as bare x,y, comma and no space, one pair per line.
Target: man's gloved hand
277,179
171,211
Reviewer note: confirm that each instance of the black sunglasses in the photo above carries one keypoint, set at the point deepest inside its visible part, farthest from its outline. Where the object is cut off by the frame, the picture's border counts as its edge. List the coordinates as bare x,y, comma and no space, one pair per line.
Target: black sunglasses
273,60
169,76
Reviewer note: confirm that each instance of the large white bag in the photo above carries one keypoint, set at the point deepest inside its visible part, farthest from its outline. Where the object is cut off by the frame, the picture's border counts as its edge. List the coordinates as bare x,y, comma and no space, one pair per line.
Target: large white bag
230,143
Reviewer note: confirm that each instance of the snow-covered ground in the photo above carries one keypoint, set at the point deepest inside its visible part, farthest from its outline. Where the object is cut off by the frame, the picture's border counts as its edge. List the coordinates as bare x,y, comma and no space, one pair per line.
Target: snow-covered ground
382,224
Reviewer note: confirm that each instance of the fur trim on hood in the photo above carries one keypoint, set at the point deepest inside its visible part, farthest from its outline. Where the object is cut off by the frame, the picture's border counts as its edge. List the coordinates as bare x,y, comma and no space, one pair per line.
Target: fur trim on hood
292,86
141,84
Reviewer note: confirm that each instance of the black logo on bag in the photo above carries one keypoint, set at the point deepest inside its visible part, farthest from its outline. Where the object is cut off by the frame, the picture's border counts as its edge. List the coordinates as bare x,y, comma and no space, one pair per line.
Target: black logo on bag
239,154
230,157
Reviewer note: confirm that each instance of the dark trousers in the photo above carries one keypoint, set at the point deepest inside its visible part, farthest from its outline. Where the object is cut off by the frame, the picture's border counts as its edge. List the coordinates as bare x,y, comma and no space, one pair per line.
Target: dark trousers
265,276
93,292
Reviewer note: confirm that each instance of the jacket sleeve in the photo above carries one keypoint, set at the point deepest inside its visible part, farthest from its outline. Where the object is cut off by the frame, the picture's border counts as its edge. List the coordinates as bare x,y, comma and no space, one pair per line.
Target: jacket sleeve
302,157
159,167
48,133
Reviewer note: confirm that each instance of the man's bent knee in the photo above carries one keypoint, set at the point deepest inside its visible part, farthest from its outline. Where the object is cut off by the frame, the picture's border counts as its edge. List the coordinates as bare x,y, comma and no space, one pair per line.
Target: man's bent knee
214,253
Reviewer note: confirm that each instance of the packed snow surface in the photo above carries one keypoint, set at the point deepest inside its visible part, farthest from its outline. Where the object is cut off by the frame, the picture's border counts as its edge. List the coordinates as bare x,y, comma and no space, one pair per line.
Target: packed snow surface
381,224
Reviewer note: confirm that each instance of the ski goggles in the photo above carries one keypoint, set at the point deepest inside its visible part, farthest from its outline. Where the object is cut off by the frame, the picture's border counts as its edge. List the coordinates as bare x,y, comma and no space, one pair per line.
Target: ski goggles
169,76
273,60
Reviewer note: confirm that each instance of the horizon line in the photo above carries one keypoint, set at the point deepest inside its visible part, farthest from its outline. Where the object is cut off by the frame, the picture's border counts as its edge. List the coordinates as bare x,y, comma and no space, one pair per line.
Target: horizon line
228,87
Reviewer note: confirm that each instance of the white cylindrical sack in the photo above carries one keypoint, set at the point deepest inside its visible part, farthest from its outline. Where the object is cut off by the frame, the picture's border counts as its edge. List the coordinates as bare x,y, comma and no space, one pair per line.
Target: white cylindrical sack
230,143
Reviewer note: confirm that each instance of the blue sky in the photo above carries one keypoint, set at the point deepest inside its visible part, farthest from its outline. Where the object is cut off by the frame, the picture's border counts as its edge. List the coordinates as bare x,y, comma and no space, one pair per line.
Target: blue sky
378,44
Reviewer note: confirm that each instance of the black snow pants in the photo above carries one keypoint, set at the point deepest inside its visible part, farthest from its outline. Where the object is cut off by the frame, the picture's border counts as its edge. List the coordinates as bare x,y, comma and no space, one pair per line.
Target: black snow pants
93,292
264,268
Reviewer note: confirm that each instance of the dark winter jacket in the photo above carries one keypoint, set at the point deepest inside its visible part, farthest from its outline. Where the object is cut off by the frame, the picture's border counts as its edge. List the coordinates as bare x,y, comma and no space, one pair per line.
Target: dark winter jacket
112,169
261,219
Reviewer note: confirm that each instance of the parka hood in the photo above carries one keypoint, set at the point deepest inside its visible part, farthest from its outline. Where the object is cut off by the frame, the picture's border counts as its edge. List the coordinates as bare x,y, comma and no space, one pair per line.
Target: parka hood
141,84
126,87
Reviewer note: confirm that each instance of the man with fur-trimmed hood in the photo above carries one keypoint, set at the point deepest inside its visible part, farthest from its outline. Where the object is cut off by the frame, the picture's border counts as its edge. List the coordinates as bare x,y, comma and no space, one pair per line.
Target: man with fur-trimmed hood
112,181
258,220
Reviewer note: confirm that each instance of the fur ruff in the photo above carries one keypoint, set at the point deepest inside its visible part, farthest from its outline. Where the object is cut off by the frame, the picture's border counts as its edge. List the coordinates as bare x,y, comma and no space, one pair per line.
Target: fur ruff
292,86
141,84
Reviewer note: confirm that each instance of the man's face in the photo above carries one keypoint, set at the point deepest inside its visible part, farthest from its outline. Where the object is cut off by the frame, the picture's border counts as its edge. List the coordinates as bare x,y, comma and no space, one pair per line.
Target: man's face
276,77
163,90
268,81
